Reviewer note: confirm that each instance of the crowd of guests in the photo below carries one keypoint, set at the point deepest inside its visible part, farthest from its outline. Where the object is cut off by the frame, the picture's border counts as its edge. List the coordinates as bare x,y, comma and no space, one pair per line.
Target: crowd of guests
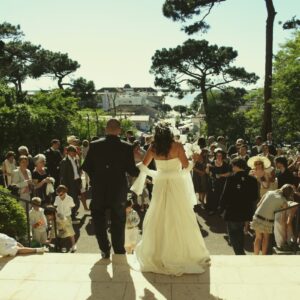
52,182
246,184
223,180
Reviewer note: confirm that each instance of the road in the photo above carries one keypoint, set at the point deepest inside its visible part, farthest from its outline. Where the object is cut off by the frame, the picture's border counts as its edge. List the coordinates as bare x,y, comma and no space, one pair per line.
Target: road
213,230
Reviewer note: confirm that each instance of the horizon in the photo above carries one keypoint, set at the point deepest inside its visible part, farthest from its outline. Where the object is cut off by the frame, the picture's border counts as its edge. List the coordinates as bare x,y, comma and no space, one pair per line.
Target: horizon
114,41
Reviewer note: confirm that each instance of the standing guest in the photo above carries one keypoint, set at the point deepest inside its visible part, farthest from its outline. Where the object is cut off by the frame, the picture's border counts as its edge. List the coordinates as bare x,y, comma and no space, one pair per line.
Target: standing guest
238,201
266,153
85,148
201,142
233,149
70,177
242,153
53,159
107,162
64,204
23,150
21,177
131,229
138,152
142,200
41,178
200,179
151,166
8,166
84,151
257,148
222,143
261,169
218,170
270,143
263,219
38,221
130,138
211,154
284,176
211,140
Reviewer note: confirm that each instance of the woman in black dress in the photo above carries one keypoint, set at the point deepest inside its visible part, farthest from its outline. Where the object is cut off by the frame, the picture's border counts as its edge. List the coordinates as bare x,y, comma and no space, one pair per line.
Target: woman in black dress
218,171
200,178
41,178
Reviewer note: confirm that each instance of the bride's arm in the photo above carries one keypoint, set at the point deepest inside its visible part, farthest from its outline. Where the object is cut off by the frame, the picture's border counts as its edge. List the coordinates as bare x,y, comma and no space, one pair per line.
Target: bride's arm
148,156
182,156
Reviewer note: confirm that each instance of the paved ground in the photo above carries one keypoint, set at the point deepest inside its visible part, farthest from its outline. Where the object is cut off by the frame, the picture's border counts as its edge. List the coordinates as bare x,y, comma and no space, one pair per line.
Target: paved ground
213,229
83,276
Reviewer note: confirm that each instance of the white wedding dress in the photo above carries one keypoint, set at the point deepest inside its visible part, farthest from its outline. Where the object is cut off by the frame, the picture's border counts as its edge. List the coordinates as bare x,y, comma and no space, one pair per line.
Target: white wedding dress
171,241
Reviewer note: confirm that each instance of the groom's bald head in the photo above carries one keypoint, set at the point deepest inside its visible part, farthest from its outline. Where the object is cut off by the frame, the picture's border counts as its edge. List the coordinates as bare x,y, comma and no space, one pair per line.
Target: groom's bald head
113,127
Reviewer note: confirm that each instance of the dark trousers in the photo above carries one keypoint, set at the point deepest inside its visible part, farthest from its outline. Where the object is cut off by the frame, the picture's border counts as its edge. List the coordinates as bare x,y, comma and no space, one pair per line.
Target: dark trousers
118,220
236,236
74,191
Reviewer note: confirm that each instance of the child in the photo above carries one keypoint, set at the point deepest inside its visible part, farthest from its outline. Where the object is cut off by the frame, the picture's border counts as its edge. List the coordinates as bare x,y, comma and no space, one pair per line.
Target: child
38,221
64,204
10,247
131,228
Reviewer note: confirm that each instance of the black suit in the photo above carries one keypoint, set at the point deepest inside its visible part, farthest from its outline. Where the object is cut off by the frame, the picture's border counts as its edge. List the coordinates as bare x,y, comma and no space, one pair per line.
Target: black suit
67,178
238,200
53,159
107,162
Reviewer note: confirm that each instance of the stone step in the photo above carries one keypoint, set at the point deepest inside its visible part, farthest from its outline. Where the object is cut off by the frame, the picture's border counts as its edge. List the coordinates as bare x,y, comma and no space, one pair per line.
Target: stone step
84,276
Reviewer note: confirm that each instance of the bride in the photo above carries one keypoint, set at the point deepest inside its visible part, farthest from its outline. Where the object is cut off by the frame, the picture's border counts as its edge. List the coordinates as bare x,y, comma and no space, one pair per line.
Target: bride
171,242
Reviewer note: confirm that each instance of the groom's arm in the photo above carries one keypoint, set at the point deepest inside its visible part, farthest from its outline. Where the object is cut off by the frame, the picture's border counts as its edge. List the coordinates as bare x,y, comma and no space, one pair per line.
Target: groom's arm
131,168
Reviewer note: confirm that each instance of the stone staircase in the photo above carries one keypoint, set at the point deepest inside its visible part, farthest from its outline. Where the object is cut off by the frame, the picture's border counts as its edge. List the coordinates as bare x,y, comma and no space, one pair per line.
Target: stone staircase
57,276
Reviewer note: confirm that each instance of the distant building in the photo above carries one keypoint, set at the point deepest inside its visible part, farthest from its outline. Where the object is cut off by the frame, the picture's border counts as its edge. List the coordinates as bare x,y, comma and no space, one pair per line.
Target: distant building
129,99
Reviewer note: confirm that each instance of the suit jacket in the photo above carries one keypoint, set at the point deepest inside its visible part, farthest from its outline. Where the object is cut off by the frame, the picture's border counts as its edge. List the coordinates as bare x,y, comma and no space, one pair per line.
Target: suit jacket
107,162
239,197
67,172
53,159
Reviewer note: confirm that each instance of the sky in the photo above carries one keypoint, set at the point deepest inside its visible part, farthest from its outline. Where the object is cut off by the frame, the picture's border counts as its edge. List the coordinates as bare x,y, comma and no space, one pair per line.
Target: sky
114,40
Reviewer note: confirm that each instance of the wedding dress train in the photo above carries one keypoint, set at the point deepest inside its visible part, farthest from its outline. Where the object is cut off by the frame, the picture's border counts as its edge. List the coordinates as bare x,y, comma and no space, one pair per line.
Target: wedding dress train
171,241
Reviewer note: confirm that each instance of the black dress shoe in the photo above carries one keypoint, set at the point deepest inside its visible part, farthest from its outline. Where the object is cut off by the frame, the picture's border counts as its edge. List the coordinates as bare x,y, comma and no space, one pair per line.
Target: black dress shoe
105,254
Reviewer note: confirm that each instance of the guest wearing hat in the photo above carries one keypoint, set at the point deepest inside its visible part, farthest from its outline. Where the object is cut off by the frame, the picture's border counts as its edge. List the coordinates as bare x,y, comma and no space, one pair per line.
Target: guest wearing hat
38,221
265,174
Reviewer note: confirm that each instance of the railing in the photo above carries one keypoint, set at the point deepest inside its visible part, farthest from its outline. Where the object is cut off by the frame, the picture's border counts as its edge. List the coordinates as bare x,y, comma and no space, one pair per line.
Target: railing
27,206
297,230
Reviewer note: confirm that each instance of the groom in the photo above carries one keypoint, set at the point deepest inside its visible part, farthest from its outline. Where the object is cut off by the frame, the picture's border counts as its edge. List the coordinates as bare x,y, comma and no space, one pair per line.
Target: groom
107,162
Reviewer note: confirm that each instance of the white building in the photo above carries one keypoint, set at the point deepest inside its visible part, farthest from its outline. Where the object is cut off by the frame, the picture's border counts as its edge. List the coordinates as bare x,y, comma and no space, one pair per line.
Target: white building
114,98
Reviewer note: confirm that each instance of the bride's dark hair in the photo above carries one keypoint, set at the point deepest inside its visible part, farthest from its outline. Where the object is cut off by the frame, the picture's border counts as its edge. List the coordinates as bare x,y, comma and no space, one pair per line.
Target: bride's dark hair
163,139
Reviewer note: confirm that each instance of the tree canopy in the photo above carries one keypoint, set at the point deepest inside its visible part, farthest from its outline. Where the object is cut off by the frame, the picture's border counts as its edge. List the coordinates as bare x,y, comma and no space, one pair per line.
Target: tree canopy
197,65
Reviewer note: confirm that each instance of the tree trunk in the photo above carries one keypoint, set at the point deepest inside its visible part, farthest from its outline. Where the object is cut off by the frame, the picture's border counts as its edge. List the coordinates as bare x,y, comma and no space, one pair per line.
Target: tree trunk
205,105
267,122
59,83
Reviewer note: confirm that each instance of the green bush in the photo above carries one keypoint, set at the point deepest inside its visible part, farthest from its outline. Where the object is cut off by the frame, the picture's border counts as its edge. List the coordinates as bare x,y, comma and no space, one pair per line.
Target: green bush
12,216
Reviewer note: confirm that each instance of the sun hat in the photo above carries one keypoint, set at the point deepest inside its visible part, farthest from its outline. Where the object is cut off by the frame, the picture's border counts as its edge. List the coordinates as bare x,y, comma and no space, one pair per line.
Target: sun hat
263,159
